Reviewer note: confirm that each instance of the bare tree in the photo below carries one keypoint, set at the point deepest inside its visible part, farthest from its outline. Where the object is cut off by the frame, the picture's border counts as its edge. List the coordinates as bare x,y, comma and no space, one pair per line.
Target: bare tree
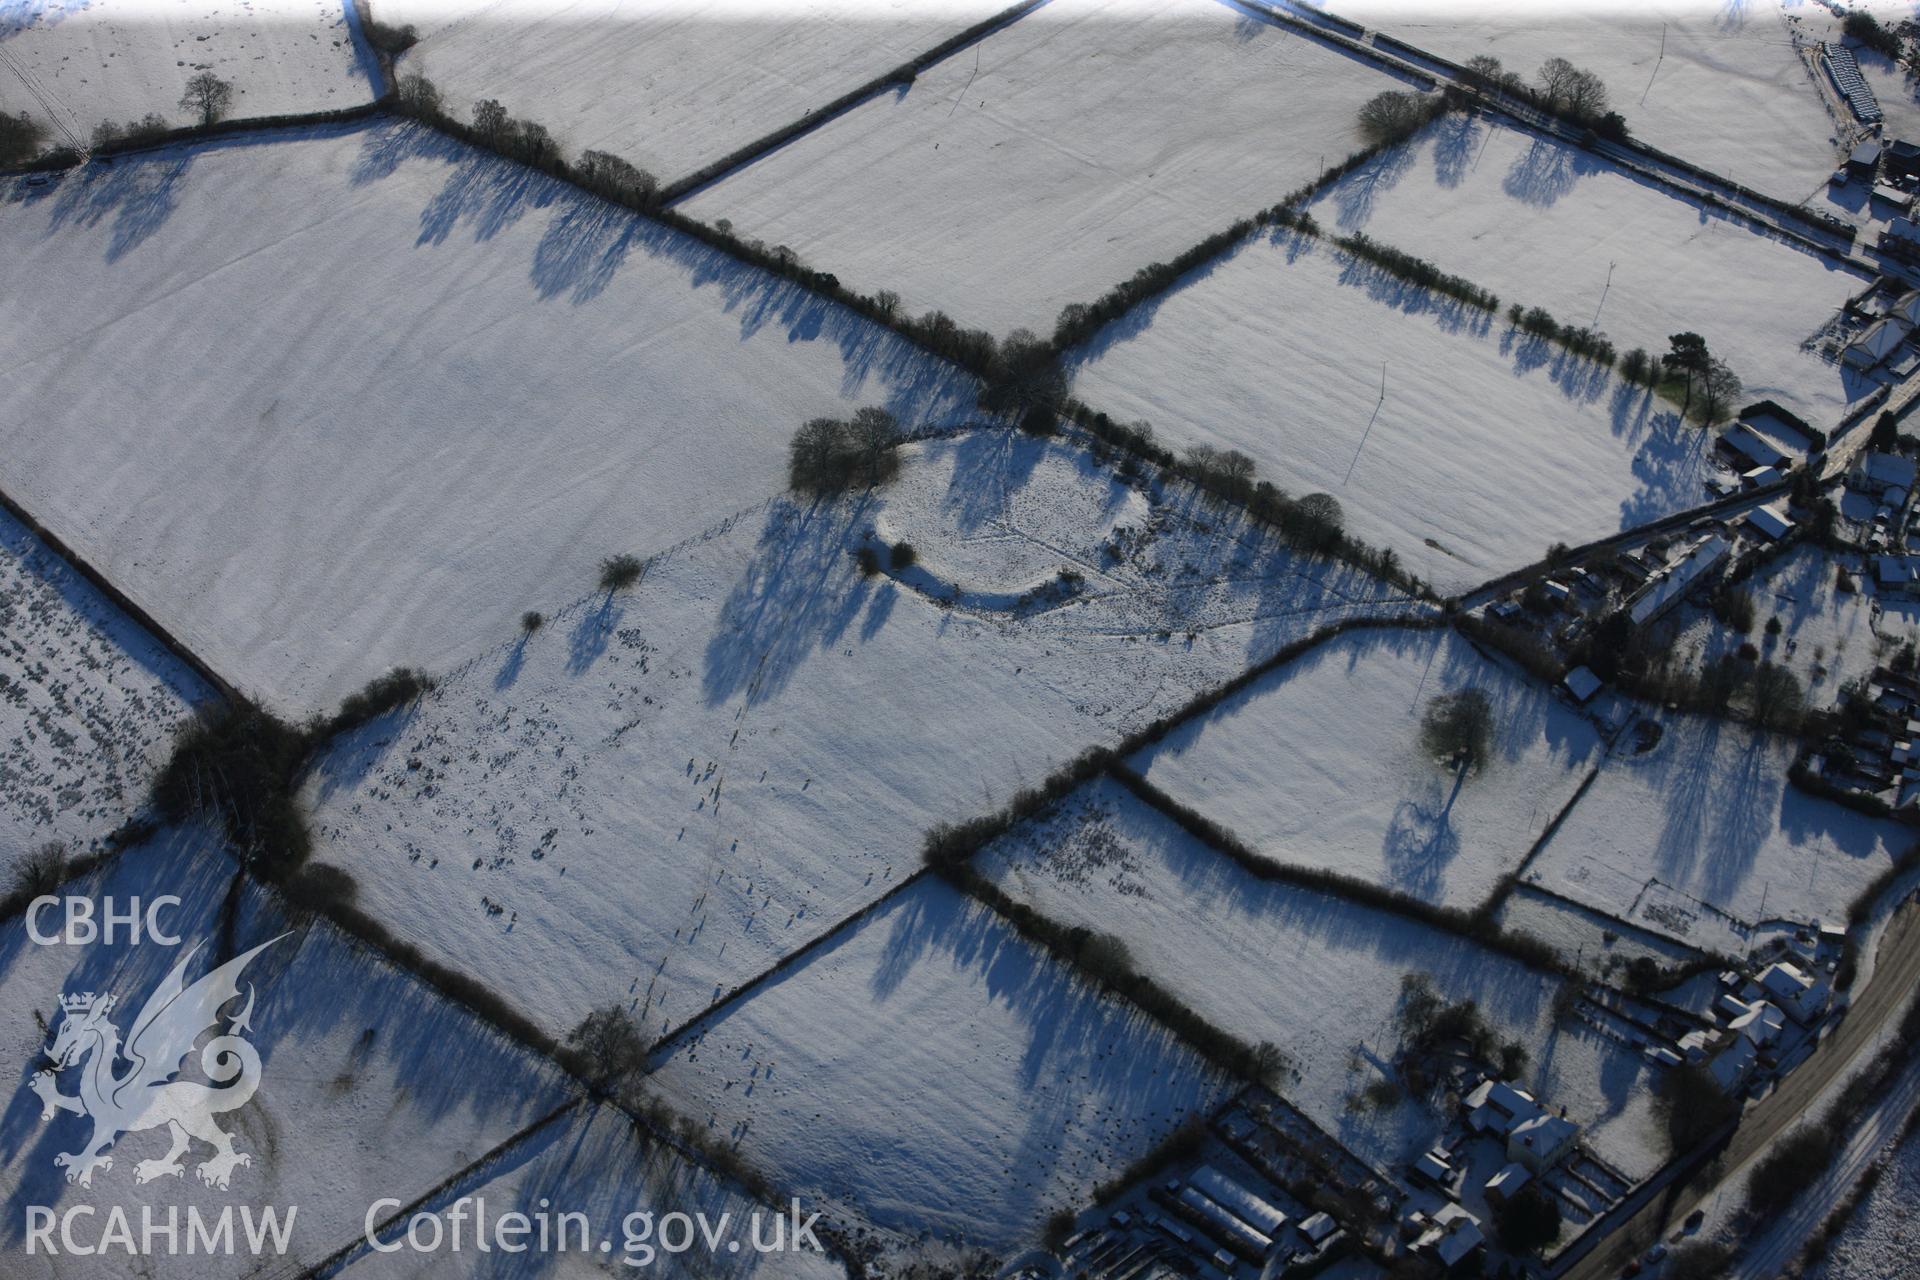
617,573
535,144
1491,75
1778,700
873,435
813,457
1459,727
1025,372
612,176
1586,96
1719,388
609,1048
207,96
1236,470
41,871
1556,77
418,96
20,137
1567,90
1390,117
489,119
1322,509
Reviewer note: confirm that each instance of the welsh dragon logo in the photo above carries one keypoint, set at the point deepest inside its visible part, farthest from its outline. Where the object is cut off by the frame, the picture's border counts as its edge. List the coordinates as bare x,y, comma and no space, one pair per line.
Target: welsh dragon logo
145,1096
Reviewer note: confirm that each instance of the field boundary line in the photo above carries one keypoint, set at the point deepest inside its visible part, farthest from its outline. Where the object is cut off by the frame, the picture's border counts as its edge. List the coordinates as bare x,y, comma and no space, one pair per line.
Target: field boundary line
726,166
137,614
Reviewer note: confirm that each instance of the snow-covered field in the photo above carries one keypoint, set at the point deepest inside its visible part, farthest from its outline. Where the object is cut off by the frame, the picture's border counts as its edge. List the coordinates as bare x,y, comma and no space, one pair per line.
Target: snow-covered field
693,779
1367,801
358,397
89,703
670,85
1486,448
935,1073
1316,975
1544,224
592,1161
1827,636
1596,942
1881,1241
1718,84
71,64
1067,151
1703,837
1895,88
372,1085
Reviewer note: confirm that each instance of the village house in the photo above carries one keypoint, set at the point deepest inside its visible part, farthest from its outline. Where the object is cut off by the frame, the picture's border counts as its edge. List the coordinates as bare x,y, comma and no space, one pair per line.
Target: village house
1800,996
1451,1236
1669,586
1536,1138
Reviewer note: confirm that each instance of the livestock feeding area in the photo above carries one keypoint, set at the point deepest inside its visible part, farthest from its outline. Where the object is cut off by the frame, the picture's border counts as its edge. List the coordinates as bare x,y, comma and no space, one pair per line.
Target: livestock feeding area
858,638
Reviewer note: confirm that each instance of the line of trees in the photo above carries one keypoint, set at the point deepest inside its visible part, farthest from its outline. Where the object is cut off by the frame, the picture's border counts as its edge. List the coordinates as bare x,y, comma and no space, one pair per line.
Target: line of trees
1559,88
1079,321
1418,271
239,764
207,96
489,125
1589,344
1104,962
1021,374
1865,28
150,128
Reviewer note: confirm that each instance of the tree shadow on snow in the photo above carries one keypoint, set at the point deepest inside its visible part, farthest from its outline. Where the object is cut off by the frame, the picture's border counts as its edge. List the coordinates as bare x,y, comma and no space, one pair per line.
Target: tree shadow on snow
326,1010
589,241
1080,1048
1547,171
798,594
1456,141
136,195
1355,195
592,633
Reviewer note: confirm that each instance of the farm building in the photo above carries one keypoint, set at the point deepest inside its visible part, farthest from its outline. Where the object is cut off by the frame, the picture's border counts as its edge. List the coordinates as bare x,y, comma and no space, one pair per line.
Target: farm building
1771,521
1453,1237
1888,194
1845,73
1901,238
1876,473
1252,1209
1506,1184
1542,1141
1666,588
1581,683
1902,159
1536,1138
1767,436
1877,343
1864,160
1895,573
1787,985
